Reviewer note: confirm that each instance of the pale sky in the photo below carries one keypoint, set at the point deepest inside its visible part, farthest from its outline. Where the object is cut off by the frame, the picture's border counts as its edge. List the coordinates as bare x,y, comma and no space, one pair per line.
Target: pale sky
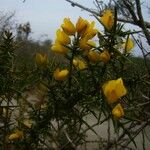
45,16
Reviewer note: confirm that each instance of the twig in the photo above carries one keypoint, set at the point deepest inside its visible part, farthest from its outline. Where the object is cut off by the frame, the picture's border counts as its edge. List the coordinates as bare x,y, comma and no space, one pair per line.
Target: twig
143,140
70,141
138,131
108,131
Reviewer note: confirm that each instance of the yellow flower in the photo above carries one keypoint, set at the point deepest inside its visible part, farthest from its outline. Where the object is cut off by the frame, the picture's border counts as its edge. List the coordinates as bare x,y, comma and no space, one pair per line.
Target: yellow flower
28,123
60,75
62,37
41,59
16,135
118,111
90,32
68,27
104,56
79,63
128,45
113,90
94,56
81,25
107,19
58,48
86,45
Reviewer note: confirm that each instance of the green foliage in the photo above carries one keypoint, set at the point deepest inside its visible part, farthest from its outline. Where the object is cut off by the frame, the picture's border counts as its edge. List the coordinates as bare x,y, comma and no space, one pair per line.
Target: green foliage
40,112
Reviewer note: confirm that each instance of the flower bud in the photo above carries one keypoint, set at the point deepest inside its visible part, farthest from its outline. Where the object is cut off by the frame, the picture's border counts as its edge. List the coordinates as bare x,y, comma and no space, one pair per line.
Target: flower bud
94,56
104,56
118,111
62,37
81,25
41,59
79,64
60,75
58,48
128,45
90,31
68,27
107,19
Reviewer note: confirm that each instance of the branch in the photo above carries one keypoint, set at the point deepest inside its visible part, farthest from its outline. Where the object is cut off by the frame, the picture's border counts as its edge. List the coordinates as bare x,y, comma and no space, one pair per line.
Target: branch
131,11
82,7
147,24
141,21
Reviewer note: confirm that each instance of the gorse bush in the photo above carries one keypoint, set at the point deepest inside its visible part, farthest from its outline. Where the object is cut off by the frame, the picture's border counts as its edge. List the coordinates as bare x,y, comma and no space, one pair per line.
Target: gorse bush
51,105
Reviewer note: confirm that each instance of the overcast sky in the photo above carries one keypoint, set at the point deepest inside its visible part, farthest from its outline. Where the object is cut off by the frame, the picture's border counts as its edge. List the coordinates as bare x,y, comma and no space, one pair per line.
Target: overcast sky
45,16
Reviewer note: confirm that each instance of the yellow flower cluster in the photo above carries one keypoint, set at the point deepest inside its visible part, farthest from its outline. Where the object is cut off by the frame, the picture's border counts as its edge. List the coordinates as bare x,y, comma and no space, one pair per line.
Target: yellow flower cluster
82,33
83,29
96,56
87,34
107,21
113,90
16,135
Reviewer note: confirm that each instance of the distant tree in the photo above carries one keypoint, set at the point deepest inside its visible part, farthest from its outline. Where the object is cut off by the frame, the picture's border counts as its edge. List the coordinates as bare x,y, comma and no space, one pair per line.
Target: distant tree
23,31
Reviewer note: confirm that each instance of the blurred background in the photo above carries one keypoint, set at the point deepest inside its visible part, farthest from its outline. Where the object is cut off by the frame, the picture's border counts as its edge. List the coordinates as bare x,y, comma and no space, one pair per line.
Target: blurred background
44,16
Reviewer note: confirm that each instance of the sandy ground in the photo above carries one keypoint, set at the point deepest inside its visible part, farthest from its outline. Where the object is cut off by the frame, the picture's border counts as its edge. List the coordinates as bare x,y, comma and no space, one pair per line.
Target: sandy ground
101,130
